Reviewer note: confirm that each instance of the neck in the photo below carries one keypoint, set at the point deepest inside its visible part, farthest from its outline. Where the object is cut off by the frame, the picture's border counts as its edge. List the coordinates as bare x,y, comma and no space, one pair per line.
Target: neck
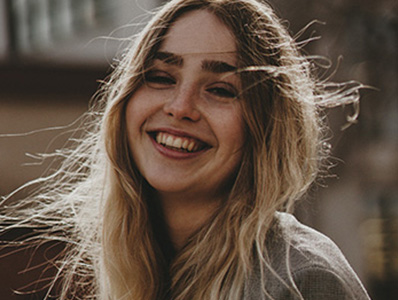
184,215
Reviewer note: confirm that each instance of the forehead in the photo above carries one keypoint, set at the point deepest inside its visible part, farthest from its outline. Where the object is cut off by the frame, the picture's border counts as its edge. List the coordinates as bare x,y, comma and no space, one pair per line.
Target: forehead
197,32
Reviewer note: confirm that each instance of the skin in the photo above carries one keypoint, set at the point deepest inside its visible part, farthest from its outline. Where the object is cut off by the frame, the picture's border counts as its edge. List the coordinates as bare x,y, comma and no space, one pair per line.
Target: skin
189,93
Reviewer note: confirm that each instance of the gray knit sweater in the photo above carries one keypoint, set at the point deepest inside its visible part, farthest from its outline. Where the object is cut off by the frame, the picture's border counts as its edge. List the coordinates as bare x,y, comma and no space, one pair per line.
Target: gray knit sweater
317,266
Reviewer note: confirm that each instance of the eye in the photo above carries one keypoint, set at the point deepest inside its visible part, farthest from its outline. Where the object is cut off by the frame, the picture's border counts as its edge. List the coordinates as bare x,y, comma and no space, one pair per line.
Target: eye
159,79
223,90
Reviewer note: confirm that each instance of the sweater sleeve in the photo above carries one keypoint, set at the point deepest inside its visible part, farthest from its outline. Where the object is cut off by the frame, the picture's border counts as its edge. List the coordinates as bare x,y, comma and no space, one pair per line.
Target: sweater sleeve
319,283
303,264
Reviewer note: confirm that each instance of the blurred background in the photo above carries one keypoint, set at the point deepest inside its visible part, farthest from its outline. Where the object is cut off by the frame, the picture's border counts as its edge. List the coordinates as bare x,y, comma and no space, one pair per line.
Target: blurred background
53,53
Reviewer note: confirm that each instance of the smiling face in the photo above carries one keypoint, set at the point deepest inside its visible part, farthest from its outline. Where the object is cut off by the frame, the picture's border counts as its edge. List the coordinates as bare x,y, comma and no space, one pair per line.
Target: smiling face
185,126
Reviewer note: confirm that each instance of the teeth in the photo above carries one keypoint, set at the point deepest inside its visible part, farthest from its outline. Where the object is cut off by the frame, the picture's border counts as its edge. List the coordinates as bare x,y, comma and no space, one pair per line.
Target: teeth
177,142
185,144
190,146
159,138
169,141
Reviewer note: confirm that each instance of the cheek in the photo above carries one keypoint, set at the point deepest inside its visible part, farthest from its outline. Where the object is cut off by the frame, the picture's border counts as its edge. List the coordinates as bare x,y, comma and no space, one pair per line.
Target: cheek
135,119
131,122
131,109
143,104
137,111
231,129
239,129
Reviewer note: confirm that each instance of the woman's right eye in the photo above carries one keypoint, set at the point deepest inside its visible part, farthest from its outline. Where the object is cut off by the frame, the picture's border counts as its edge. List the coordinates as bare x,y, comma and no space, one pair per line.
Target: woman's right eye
159,79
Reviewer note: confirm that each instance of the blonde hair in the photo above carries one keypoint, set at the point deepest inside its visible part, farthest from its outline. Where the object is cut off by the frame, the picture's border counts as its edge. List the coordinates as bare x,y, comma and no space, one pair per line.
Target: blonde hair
97,202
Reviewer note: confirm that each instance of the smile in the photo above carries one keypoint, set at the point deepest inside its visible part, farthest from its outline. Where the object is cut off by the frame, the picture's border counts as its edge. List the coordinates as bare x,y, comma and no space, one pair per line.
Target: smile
178,143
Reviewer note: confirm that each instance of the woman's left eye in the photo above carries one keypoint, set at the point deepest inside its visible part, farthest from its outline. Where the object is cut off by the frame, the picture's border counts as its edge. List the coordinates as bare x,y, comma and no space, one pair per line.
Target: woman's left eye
224,92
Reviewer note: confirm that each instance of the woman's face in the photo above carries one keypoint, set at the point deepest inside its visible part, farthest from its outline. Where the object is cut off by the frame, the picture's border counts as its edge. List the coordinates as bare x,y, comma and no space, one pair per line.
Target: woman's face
185,127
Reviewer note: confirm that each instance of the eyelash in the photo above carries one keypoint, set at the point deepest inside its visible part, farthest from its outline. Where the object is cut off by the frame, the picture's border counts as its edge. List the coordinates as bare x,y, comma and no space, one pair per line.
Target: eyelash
158,79
223,92
163,80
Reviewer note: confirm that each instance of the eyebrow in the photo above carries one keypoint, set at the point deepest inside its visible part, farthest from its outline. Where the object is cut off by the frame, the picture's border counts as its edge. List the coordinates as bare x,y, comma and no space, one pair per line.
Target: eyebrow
213,66
169,58
218,67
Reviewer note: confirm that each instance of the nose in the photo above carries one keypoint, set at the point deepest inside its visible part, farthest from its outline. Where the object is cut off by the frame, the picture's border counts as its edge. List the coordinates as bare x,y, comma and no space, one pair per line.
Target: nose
182,105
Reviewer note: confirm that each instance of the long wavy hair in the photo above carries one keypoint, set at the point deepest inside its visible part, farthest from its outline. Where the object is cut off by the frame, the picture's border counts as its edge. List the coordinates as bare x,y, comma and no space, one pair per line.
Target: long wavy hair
98,204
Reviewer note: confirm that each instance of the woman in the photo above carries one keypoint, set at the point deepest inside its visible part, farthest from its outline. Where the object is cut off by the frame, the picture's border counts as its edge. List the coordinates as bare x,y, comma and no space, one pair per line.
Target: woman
209,130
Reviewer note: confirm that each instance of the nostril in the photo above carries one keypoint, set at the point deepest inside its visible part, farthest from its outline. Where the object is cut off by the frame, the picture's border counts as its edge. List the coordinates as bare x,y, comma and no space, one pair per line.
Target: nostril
182,108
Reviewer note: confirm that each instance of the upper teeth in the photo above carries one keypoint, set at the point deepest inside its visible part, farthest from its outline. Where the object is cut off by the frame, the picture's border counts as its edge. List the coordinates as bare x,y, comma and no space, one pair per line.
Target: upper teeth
177,141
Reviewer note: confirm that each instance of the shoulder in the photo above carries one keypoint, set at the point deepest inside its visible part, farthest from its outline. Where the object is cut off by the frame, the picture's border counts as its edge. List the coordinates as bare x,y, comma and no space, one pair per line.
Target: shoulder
307,248
304,260
322,283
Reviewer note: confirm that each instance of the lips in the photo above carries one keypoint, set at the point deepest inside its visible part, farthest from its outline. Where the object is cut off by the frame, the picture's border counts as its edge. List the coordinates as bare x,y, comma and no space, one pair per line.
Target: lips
178,143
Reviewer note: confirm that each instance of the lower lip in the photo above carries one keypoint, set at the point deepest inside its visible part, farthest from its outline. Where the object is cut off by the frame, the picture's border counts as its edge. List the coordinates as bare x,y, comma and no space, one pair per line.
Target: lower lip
173,153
